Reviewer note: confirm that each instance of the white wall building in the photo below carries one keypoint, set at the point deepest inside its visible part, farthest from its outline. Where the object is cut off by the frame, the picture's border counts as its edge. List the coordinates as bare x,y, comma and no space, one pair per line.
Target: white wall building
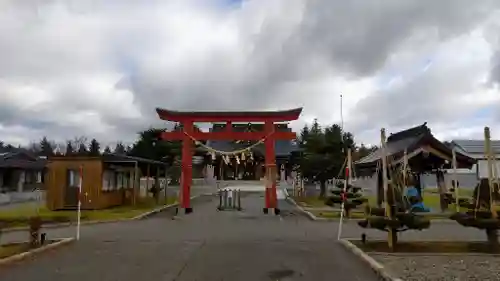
475,149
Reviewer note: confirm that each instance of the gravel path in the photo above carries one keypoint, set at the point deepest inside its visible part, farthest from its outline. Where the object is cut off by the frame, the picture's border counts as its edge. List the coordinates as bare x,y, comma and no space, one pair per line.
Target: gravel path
442,267
206,245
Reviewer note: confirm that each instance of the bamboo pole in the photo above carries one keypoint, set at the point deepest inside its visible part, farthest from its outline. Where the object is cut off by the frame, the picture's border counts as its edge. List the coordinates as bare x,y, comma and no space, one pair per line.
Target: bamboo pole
491,234
405,167
455,182
137,182
487,145
391,235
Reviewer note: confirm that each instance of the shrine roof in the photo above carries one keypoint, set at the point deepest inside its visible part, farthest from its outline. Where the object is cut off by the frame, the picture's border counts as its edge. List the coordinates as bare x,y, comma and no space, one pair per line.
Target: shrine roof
415,141
235,116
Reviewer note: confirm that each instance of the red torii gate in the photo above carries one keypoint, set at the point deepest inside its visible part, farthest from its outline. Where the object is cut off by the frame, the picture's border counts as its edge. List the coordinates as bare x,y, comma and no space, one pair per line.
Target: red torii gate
269,135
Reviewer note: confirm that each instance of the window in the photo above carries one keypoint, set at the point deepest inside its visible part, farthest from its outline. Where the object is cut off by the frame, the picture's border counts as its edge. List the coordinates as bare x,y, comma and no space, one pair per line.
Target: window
119,180
126,180
108,180
39,177
73,178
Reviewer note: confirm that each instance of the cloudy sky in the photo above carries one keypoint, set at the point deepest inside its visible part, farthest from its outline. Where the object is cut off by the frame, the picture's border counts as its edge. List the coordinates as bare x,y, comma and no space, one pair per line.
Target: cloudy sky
99,68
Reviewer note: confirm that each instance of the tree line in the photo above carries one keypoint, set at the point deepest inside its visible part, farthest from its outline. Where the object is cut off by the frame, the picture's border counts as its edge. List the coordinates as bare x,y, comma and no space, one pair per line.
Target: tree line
323,149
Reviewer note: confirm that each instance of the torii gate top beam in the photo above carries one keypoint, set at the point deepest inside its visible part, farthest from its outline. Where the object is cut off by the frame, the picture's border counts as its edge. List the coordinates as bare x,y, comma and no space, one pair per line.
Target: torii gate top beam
229,116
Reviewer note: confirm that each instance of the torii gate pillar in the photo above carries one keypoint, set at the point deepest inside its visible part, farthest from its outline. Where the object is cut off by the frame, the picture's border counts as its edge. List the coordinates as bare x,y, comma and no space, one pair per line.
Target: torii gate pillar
269,135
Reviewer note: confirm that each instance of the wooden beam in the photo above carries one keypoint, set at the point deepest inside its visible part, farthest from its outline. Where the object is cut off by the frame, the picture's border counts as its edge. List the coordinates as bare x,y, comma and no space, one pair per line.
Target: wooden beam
234,116
229,135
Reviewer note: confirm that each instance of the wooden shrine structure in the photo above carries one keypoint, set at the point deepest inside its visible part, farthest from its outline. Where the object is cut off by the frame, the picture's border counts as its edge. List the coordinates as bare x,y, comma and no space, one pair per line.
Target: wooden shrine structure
268,136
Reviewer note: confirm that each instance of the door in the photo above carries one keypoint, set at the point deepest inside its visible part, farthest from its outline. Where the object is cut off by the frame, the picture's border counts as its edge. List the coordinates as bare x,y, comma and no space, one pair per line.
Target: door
71,188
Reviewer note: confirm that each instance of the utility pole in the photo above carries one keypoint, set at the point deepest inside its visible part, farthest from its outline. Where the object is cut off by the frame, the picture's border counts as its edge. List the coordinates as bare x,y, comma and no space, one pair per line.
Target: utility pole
341,114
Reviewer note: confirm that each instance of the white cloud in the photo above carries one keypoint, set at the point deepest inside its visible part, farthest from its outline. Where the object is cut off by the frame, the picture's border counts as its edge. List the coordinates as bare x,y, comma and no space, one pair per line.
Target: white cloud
101,67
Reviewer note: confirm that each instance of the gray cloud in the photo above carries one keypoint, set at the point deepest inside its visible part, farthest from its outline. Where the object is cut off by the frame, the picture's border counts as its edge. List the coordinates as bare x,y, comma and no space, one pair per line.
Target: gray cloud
102,69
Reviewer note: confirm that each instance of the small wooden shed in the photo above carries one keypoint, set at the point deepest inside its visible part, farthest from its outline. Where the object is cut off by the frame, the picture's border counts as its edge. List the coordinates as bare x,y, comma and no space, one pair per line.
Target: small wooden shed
108,180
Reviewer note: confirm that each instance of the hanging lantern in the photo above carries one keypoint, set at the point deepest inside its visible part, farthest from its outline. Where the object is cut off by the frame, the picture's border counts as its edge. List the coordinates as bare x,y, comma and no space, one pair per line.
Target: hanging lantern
237,159
243,156
213,155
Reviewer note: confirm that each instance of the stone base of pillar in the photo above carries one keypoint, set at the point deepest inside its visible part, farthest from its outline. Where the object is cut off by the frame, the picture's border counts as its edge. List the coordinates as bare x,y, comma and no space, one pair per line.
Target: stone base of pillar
188,210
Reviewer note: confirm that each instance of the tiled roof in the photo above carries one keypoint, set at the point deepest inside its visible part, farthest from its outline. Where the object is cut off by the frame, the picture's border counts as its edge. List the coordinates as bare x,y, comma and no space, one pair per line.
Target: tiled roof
17,158
411,140
392,148
476,146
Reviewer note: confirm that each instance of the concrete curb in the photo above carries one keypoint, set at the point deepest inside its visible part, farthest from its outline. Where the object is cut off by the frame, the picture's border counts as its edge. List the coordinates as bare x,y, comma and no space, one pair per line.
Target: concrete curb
155,211
374,265
166,207
20,256
312,217
308,214
60,225
67,224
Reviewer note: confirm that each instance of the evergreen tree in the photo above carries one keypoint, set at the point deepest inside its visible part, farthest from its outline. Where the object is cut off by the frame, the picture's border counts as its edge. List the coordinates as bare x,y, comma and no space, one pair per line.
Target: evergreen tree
324,152
304,135
149,146
120,149
46,148
94,148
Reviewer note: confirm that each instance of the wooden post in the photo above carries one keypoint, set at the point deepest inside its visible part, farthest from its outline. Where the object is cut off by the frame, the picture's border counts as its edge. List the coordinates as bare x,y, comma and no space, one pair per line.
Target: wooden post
391,233
405,168
489,157
491,234
270,159
187,167
442,190
380,188
136,185
455,182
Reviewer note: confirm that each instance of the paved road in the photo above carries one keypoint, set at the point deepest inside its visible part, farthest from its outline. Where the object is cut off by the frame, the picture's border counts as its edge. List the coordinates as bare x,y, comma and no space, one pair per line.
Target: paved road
210,245
206,245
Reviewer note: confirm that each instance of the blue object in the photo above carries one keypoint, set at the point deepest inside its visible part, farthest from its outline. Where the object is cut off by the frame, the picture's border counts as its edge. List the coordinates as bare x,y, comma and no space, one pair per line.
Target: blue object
418,207
411,191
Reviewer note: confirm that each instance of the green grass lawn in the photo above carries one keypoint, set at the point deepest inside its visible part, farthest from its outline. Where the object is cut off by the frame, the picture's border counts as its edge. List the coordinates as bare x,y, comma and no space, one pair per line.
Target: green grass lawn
361,215
310,201
431,200
13,249
20,216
